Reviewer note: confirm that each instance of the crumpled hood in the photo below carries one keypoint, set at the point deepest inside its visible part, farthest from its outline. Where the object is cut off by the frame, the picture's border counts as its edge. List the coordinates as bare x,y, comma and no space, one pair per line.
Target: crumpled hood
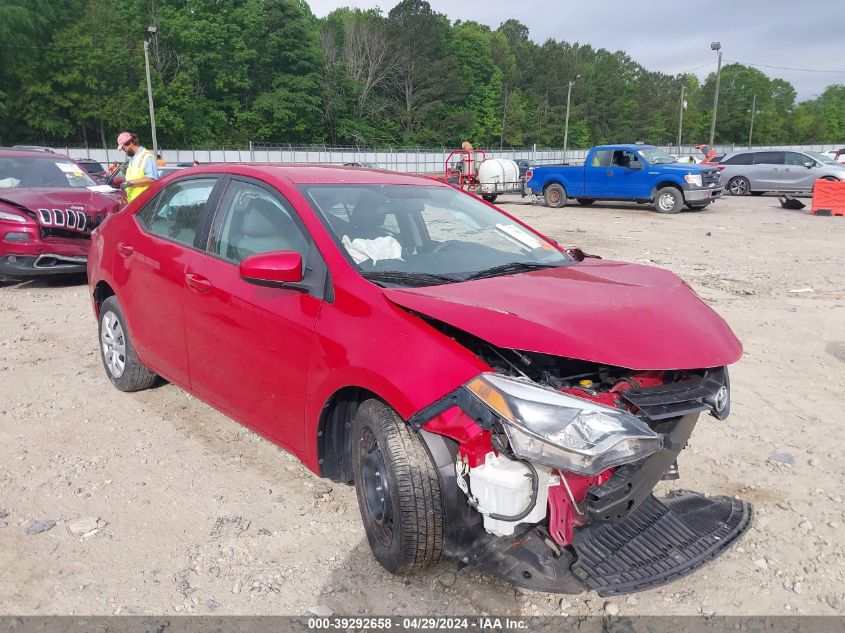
613,313
65,205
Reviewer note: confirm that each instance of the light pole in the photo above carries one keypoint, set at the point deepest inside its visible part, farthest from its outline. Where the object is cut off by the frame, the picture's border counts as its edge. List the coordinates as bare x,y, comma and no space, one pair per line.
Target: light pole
716,46
753,112
566,125
681,117
151,31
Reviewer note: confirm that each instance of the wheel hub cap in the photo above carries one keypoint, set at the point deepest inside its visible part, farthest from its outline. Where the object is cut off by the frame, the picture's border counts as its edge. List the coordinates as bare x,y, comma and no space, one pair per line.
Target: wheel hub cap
113,344
376,486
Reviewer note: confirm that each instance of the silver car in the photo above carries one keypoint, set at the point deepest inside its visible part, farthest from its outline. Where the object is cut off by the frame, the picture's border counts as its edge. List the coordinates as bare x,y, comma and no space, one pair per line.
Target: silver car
759,171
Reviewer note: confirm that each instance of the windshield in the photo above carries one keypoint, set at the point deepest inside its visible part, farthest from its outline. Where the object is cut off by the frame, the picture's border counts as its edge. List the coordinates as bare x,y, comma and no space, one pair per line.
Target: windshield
827,160
656,156
424,235
41,171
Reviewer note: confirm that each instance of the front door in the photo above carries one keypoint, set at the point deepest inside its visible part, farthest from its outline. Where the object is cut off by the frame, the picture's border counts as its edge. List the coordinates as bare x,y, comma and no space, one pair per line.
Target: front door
248,345
157,254
630,175
796,176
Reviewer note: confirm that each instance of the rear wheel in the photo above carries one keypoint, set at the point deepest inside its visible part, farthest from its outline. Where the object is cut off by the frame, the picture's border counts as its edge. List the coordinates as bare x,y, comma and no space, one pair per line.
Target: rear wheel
117,352
490,197
668,200
739,186
398,490
585,201
555,196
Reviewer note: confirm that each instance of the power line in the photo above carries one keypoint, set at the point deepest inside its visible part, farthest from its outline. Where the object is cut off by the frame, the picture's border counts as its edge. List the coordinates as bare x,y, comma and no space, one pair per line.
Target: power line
803,70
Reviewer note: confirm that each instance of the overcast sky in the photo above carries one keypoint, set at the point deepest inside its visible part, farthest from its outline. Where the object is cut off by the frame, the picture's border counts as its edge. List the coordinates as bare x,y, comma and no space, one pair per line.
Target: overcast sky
674,36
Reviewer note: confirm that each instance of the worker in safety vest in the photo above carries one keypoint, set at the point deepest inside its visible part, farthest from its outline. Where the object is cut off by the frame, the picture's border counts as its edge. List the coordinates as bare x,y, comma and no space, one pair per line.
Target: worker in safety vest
142,170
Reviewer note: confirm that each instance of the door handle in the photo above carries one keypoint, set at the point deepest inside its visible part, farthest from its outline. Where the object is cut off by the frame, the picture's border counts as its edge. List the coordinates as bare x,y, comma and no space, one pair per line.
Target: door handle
608,173
197,283
125,249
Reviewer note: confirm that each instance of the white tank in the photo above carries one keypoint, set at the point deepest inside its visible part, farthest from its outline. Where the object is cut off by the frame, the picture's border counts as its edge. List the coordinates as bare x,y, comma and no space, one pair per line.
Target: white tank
503,486
498,175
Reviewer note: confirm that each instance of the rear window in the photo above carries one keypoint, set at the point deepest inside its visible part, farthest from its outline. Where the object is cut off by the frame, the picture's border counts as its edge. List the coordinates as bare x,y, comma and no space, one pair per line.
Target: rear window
739,159
41,171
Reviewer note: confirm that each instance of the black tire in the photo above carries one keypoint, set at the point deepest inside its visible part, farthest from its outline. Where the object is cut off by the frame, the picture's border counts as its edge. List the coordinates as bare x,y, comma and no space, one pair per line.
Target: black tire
117,352
757,193
698,207
490,197
668,200
398,490
585,201
739,186
555,196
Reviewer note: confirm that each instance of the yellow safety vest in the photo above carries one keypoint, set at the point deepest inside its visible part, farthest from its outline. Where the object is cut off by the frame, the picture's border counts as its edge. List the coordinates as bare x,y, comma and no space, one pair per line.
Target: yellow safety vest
135,171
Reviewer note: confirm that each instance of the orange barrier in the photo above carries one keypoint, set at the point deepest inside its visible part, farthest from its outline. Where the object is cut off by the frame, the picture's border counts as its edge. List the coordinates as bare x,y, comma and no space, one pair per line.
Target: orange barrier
828,197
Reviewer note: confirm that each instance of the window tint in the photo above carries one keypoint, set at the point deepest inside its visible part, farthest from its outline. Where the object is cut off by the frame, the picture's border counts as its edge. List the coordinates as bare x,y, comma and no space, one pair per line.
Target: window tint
768,158
254,221
740,159
176,212
623,158
796,159
601,158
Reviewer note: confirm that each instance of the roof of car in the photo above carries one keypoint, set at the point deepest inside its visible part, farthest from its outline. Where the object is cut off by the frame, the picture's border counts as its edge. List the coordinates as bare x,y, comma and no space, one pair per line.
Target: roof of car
319,174
16,152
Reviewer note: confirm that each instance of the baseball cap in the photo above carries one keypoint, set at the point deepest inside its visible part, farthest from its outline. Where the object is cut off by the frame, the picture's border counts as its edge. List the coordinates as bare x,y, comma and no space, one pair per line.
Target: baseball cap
123,137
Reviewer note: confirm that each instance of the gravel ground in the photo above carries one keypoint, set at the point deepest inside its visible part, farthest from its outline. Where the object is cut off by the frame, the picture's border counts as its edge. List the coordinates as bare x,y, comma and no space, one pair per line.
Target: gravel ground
153,503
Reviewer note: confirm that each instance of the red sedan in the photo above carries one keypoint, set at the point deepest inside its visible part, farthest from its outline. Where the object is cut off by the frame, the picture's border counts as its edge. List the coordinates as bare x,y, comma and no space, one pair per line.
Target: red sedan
493,397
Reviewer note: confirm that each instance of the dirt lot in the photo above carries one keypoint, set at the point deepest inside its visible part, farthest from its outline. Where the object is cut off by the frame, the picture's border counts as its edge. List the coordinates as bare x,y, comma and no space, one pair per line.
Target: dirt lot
191,513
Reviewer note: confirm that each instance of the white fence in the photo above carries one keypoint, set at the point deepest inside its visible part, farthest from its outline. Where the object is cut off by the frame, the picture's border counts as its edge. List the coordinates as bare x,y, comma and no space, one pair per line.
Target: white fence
403,160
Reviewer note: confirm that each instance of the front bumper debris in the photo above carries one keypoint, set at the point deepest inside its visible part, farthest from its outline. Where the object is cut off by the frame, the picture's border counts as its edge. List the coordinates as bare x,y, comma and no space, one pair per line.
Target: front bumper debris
659,542
702,195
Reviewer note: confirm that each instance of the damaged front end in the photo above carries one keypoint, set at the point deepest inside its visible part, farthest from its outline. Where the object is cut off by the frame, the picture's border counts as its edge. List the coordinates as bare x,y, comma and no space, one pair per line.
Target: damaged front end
547,468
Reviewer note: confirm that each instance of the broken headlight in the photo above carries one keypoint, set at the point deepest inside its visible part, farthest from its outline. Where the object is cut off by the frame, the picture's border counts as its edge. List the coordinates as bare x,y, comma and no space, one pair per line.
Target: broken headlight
562,431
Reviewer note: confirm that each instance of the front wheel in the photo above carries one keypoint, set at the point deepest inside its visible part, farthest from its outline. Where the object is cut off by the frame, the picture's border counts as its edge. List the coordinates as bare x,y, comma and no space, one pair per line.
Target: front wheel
398,490
739,186
668,200
555,196
117,351
490,197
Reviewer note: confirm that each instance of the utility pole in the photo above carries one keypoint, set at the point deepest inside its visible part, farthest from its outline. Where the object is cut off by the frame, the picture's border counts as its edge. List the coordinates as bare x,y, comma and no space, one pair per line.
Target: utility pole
716,46
151,31
753,112
566,125
681,117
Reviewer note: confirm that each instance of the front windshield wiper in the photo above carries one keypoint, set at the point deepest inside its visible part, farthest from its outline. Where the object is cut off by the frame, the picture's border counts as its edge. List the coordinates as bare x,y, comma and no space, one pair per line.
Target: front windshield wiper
407,278
512,267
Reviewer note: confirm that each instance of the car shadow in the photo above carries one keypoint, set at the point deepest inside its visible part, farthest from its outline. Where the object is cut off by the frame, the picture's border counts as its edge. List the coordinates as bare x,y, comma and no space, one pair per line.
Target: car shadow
46,281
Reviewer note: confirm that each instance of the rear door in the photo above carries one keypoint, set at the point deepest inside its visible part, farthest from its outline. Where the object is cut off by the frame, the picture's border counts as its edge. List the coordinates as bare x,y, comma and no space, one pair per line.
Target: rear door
767,171
248,345
152,282
598,175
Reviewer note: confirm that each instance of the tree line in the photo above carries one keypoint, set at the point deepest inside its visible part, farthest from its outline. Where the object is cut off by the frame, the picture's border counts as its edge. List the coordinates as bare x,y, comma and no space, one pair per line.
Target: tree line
225,72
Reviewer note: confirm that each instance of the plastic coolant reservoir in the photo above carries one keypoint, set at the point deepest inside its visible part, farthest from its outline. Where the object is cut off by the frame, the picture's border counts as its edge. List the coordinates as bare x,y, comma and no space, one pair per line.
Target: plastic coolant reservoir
503,486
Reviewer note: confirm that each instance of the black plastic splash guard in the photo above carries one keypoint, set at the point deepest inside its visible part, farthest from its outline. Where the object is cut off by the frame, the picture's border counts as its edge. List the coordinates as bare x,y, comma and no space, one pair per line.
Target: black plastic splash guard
662,540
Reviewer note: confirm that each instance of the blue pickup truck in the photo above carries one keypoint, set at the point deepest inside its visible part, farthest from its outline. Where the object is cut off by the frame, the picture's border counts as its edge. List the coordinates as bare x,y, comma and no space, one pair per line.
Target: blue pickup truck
637,173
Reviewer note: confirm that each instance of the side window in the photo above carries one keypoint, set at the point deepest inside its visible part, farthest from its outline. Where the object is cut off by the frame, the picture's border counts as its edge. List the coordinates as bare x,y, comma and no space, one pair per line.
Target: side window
175,213
797,160
601,158
623,158
740,159
254,221
768,158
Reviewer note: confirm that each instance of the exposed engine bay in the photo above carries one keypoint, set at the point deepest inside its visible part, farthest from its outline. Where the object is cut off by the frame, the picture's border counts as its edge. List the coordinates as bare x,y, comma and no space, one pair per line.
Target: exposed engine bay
557,448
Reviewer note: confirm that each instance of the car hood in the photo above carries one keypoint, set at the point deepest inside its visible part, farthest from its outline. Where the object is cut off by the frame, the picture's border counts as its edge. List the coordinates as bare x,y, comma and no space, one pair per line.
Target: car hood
686,168
613,313
95,202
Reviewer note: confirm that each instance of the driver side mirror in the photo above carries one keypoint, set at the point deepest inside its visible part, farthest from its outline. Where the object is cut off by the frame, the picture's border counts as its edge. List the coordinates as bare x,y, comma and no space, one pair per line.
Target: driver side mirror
272,269
635,165
809,164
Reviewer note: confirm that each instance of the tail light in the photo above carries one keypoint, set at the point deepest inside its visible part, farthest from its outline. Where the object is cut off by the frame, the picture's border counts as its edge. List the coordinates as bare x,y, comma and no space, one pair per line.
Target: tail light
720,167
528,175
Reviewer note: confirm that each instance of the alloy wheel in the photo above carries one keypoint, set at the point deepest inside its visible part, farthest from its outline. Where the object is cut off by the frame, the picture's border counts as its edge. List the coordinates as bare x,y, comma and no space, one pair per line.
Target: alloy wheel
114,344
